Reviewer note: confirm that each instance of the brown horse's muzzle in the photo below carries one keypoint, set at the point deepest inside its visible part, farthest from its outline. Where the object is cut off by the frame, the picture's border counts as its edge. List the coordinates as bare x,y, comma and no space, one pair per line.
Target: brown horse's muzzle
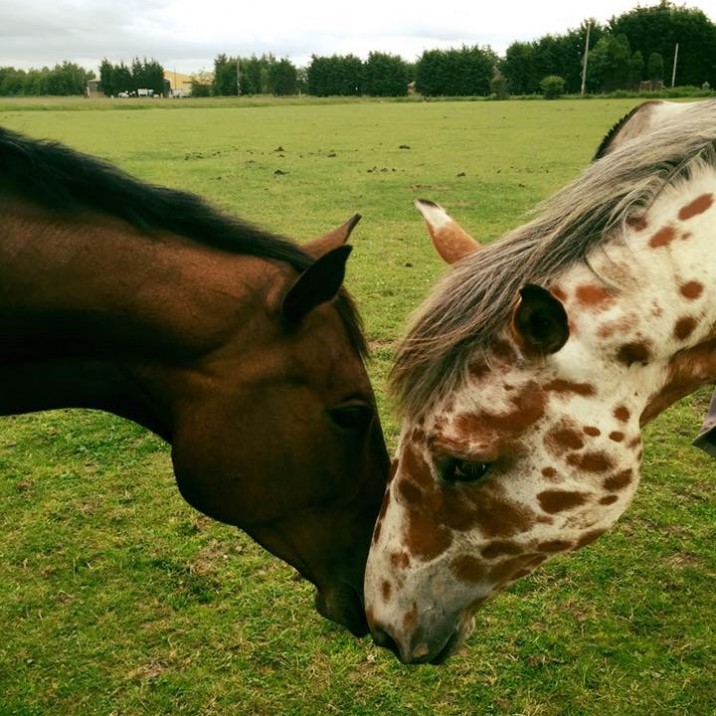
343,605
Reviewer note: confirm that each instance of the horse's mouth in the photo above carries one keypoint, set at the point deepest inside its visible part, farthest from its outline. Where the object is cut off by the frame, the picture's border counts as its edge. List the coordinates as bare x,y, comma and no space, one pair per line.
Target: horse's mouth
343,606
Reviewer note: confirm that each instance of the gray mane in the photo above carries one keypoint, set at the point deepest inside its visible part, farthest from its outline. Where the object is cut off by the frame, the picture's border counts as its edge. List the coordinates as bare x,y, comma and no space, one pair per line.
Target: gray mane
470,307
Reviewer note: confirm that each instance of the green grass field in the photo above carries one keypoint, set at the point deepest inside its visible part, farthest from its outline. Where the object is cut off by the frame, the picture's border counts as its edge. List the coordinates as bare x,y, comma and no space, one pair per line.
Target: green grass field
118,598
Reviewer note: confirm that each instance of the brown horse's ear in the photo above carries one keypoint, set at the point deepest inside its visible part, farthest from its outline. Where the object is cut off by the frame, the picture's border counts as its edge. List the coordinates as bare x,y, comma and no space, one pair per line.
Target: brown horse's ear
317,284
450,240
539,321
333,239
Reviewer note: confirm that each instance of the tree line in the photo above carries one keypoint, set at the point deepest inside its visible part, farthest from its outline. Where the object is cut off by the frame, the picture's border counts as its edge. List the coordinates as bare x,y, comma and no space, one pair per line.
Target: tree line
63,79
247,76
636,47
116,79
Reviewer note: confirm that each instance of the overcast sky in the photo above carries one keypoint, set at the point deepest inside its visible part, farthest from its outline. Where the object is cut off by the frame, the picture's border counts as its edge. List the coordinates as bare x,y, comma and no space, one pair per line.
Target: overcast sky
186,35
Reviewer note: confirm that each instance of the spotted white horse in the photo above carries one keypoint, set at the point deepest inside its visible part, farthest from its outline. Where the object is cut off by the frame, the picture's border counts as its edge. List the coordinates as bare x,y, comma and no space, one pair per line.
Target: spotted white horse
526,376
641,120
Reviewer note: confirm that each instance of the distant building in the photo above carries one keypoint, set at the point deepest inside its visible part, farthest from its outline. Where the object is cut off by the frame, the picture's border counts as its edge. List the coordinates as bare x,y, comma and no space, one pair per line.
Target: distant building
94,89
651,86
179,85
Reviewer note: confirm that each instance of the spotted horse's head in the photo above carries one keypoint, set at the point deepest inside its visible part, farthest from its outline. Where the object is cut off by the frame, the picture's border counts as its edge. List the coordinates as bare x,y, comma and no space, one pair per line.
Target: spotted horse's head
524,381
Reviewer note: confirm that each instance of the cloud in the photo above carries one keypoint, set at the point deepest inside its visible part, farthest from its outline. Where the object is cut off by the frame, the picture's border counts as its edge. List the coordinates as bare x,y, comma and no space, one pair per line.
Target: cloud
187,35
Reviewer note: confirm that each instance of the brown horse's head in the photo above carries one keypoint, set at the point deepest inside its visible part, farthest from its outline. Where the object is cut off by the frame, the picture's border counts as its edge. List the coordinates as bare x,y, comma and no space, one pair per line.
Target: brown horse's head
279,432
238,347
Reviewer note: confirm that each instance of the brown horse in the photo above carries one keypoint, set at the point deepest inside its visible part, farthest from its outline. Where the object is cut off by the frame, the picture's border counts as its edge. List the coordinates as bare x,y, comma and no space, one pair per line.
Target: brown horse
239,348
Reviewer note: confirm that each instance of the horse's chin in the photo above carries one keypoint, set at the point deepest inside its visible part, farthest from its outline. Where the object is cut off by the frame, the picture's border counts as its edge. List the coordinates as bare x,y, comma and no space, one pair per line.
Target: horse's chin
343,606
464,630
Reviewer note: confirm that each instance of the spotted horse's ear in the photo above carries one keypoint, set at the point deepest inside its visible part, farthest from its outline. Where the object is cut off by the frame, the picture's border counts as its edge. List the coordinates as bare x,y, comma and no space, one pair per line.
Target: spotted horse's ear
539,321
450,240
319,283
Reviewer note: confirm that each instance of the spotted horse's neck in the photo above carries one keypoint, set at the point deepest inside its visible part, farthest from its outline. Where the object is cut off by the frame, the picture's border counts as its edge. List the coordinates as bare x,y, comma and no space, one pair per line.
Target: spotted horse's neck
518,462
642,312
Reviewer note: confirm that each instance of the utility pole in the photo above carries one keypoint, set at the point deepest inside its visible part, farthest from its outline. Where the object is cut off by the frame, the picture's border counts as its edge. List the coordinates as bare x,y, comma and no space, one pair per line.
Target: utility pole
238,78
586,59
673,71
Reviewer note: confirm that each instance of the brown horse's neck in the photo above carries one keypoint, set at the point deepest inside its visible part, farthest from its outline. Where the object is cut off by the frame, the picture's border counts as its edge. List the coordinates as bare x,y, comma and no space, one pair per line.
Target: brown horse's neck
91,310
59,383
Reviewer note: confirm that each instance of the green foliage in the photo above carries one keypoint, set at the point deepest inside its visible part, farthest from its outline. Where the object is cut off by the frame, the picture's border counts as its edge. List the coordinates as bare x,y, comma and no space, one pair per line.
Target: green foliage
338,75
657,29
616,63
385,75
686,91
636,69
656,67
282,78
257,76
609,65
121,79
225,76
201,84
552,86
64,79
143,74
617,51
105,77
526,63
253,73
456,73
148,74
519,68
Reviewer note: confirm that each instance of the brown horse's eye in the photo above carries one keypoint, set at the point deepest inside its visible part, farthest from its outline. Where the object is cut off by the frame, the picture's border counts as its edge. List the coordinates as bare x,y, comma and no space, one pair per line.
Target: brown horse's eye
465,471
355,417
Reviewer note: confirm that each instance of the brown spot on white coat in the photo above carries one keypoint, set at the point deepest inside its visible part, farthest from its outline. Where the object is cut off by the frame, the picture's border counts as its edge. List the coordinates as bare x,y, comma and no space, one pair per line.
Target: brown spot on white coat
697,206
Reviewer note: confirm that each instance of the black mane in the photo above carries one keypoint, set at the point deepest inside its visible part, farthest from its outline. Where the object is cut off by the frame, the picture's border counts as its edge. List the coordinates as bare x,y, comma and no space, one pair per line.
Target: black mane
605,144
60,178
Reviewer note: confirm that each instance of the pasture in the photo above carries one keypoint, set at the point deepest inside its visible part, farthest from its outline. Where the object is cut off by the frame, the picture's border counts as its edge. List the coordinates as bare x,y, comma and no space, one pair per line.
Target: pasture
118,598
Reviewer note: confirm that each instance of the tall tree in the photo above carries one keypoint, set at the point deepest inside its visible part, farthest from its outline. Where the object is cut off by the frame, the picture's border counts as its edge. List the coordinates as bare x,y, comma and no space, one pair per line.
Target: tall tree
527,63
63,79
225,80
385,75
137,70
282,78
636,69
655,68
317,76
147,74
519,68
122,78
660,27
340,75
250,74
456,73
154,76
609,67
106,77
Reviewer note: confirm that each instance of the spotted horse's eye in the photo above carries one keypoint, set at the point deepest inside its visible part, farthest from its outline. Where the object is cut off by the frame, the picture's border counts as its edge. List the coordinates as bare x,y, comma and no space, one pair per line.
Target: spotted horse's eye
465,471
